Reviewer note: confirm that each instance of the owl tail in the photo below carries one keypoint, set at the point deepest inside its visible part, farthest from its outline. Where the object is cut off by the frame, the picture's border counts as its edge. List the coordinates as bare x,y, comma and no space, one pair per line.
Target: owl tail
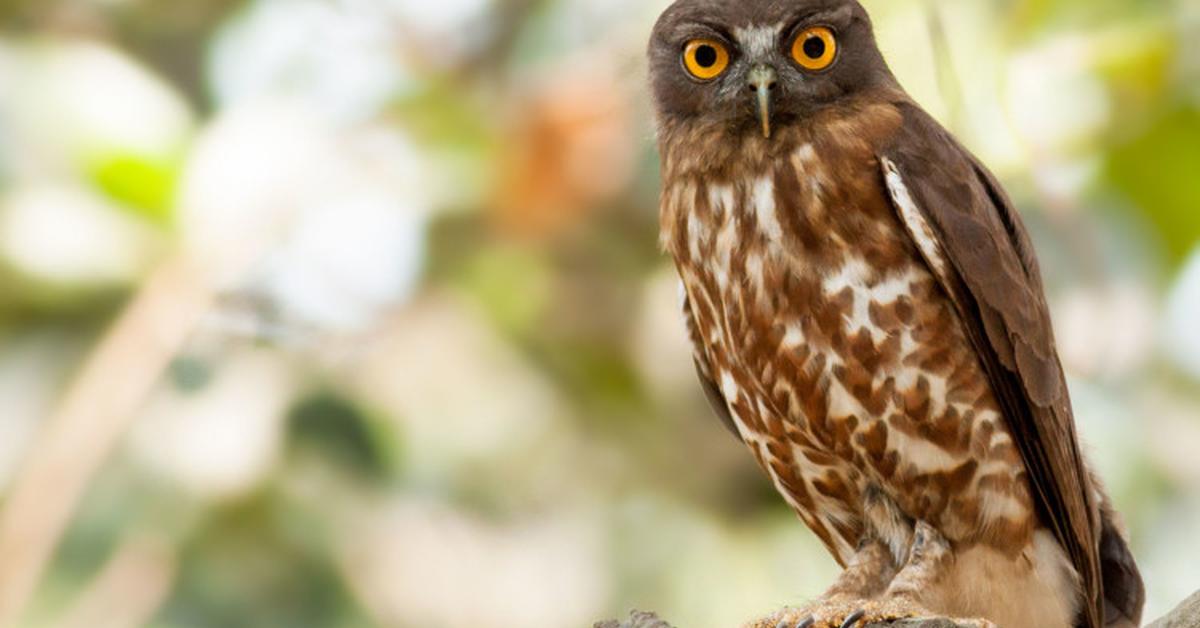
1124,592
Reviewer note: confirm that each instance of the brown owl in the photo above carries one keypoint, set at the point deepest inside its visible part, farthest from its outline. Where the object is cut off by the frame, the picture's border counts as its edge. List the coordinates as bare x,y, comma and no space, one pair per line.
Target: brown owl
869,319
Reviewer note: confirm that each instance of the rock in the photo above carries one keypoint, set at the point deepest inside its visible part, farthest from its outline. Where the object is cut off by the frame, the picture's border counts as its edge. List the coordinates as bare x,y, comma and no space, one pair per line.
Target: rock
1186,615
919,623
649,620
637,619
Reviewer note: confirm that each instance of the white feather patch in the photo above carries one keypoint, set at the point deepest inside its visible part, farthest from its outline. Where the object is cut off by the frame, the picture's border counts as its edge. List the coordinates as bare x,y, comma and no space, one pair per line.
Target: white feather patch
918,227
758,41
720,197
764,209
729,387
793,337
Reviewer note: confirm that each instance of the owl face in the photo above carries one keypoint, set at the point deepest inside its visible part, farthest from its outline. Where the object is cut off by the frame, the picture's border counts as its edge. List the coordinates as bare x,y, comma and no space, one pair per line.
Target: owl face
752,66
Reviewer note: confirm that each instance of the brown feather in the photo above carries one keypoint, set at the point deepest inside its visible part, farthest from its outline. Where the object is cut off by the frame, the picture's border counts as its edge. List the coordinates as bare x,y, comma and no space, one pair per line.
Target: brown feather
998,290
849,348
704,372
717,401
1124,591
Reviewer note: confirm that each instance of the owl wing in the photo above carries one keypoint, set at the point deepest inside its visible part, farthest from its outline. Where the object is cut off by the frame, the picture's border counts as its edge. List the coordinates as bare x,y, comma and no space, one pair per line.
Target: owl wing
704,371
974,241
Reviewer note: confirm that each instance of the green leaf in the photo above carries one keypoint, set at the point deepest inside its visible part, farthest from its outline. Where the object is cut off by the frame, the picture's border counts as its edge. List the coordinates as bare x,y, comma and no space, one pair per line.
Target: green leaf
337,429
144,185
1157,171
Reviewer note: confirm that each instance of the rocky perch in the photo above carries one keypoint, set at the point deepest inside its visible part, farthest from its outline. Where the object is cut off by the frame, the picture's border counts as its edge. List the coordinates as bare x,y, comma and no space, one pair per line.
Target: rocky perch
650,620
1186,615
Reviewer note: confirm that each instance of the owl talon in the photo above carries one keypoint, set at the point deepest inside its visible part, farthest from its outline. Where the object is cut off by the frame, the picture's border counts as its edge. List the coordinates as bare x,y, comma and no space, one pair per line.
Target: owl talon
853,619
807,622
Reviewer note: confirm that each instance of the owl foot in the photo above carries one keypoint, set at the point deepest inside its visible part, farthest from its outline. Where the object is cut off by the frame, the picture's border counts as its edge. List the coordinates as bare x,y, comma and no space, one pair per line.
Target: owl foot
839,614
872,615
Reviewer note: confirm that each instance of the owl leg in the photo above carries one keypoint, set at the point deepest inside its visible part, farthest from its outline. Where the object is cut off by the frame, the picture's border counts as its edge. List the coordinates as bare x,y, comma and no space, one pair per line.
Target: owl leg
926,558
864,595
874,566
874,591
930,561
866,575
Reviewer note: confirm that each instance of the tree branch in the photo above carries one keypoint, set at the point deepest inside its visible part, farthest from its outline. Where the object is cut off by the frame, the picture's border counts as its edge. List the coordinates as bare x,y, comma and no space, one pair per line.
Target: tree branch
638,619
1186,615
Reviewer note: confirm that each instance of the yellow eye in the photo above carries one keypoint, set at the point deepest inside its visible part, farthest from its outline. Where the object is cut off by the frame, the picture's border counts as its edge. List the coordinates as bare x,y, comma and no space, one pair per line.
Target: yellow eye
815,48
705,59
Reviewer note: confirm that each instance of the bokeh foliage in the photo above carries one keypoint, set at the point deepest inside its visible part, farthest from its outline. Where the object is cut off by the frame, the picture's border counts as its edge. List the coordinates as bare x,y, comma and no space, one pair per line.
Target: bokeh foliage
448,385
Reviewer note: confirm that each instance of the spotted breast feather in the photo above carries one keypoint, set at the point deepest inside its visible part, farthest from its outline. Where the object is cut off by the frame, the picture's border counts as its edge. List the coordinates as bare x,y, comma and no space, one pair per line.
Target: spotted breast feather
837,335
869,319
832,347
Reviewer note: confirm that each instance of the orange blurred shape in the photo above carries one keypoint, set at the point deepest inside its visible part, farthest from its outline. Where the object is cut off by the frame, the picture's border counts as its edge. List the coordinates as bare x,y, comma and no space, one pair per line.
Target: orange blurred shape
570,147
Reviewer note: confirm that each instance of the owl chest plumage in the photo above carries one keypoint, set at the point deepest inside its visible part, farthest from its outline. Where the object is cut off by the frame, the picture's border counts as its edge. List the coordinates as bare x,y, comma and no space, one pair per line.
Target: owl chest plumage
842,363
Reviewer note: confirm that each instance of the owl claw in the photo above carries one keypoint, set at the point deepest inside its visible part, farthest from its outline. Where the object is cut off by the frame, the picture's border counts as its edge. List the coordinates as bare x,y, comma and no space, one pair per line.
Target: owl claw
853,619
807,622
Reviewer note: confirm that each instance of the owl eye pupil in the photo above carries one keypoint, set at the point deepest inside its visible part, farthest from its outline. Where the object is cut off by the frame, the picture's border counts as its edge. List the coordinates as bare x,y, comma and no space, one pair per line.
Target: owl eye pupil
814,47
706,56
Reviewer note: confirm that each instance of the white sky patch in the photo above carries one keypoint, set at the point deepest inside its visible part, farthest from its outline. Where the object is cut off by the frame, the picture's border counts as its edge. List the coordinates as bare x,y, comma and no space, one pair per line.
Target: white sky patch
339,59
1180,333
68,101
69,235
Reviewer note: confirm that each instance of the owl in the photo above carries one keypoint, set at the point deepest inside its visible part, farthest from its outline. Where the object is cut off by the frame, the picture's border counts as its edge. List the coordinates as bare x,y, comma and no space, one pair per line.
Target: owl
869,319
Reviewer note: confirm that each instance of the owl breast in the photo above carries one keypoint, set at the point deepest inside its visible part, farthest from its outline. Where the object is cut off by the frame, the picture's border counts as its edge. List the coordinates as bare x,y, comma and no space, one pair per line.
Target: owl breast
843,364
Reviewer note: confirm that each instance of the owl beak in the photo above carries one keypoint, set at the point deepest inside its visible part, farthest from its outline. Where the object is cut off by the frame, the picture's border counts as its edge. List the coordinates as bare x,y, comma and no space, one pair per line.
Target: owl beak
762,81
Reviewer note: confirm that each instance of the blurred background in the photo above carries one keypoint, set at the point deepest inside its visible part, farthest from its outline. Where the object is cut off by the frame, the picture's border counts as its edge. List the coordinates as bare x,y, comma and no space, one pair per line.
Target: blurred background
349,313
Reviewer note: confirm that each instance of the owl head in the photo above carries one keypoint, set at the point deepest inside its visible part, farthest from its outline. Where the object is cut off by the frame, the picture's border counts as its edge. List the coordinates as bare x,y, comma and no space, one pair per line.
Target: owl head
751,66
